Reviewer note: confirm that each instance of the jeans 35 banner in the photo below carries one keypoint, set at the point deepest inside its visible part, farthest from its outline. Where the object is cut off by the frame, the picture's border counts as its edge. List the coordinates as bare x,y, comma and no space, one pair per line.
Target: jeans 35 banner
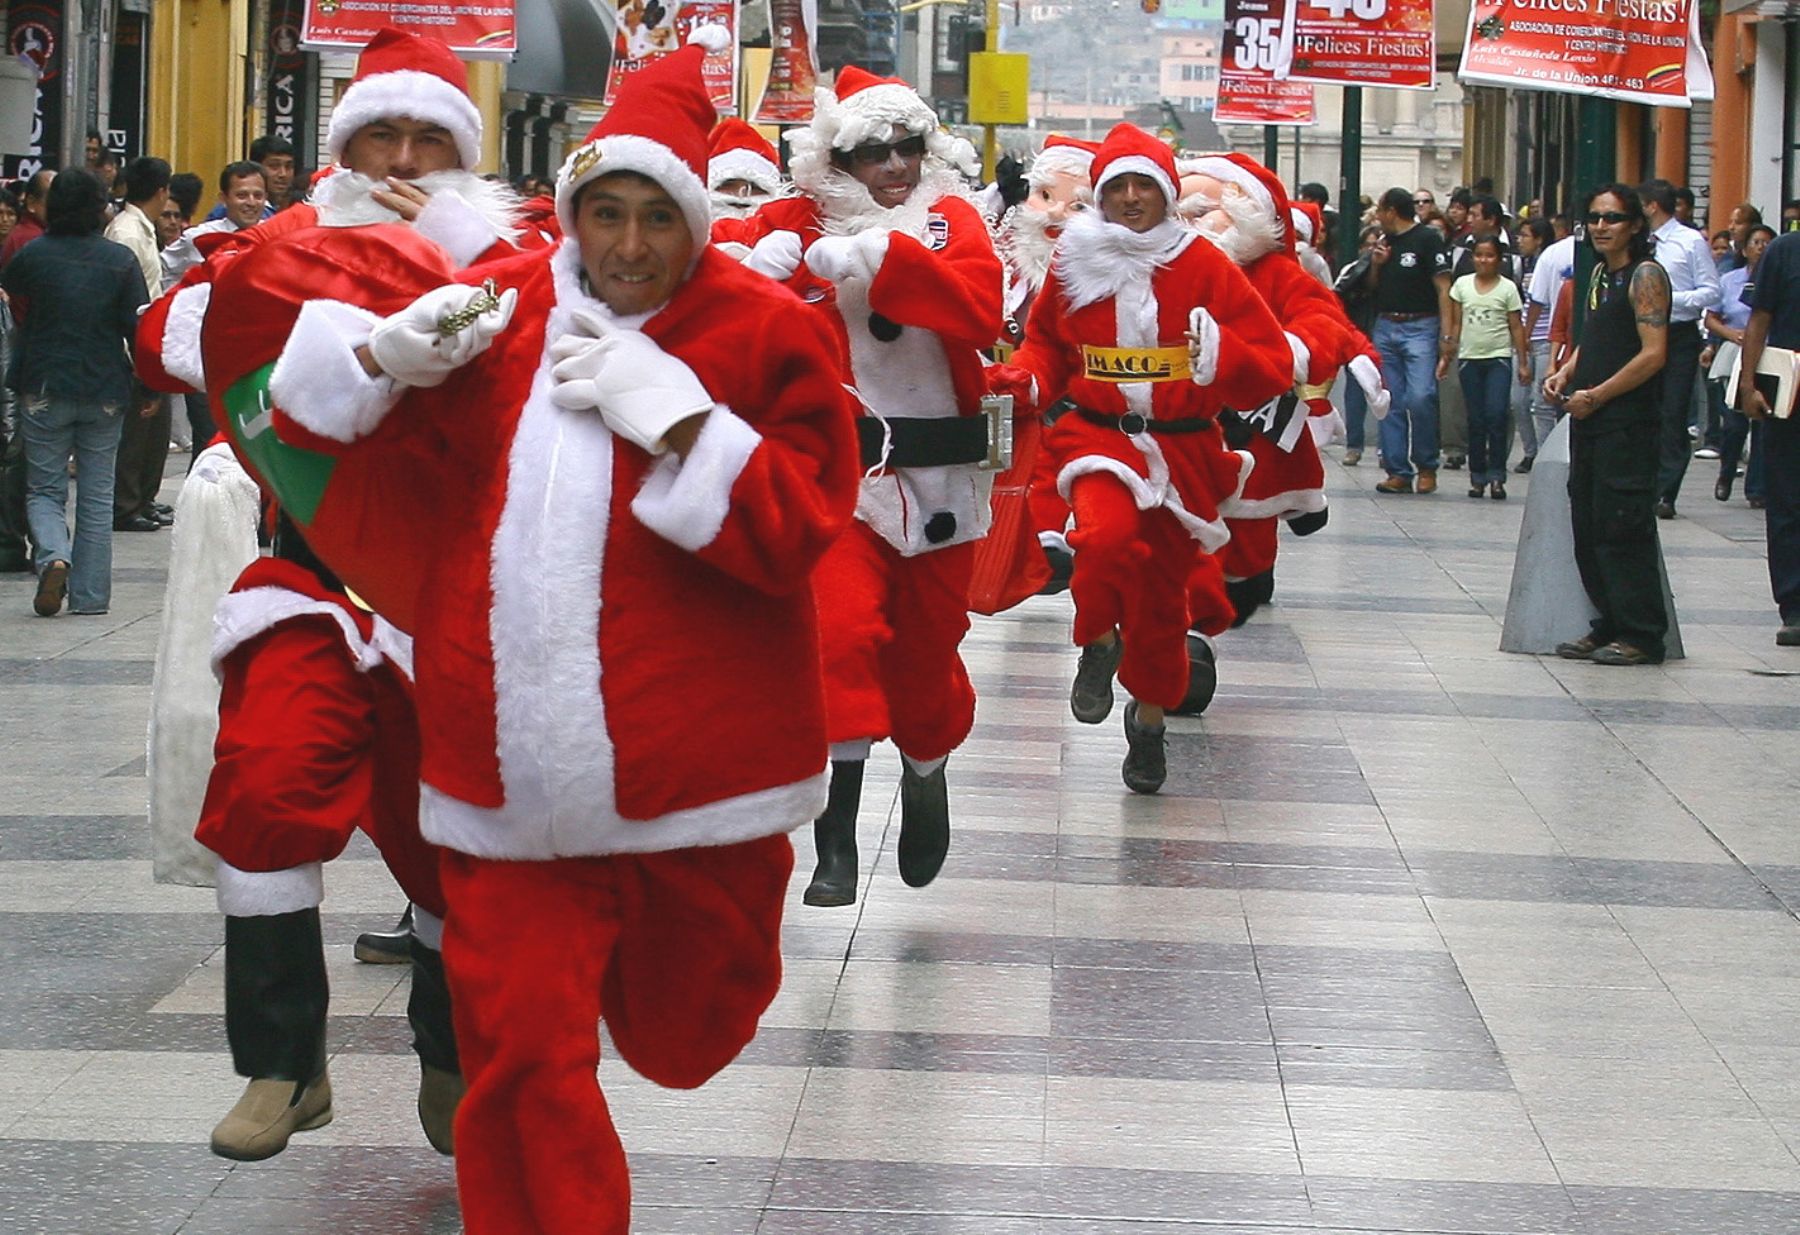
1249,91
1638,51
1360,43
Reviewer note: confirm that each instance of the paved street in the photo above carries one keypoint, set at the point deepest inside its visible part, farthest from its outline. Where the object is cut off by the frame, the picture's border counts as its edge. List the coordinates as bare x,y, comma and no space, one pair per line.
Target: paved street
1420,937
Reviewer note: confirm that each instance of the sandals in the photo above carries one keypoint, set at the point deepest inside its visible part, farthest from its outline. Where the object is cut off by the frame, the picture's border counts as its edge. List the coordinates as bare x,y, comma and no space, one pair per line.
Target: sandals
1616,653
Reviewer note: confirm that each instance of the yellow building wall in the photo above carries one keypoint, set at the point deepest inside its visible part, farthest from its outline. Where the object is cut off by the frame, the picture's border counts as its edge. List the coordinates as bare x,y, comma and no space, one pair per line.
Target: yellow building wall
197,62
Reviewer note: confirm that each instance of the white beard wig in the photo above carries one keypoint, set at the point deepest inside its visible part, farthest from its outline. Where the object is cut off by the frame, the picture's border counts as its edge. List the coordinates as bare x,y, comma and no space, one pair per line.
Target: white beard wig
1026,245
344,198
844,201
1254,231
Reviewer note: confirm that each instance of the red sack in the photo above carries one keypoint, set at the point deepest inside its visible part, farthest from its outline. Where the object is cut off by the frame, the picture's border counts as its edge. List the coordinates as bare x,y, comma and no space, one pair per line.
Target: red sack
1009,563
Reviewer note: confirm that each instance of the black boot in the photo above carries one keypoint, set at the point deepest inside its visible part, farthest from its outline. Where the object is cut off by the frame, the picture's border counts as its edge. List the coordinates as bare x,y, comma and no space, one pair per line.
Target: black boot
387,947
1062,567
834,838
1203,677
276,997
924,824
1146,756
1249,595
434,1041
1310,522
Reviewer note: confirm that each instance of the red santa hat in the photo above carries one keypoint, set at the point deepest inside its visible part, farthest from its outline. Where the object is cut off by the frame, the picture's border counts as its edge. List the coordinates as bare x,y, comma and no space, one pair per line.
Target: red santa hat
658,128
1309,221
1260,184
739,152
1066,155
1128,150
410,76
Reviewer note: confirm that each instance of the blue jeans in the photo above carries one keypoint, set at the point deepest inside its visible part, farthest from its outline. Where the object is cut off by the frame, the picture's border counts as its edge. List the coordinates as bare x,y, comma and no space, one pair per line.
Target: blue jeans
1544,413
1487,387
89,430
1356,412
1409,435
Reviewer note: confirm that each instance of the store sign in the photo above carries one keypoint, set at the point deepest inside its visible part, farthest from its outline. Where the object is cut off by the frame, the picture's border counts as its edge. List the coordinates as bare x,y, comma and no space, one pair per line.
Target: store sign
34,33
1360,43
1249,92
291,85
474,29
644,31
1637,51
793,67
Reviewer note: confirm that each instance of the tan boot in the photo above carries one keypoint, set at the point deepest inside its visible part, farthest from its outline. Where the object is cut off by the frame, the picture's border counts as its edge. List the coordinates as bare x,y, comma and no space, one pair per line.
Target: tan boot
1427,480
267,1115
440,1093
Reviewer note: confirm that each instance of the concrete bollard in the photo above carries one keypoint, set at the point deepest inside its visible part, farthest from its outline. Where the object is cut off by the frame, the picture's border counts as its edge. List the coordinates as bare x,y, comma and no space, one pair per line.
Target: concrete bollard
1547,604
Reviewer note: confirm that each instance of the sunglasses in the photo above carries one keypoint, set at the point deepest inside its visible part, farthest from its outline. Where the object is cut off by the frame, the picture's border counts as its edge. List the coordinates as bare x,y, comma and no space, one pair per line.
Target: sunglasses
881,152
1607,216
1421,201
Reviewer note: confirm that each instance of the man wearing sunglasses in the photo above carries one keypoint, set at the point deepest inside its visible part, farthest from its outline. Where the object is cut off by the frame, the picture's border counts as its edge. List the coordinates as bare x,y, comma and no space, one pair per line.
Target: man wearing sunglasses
885,244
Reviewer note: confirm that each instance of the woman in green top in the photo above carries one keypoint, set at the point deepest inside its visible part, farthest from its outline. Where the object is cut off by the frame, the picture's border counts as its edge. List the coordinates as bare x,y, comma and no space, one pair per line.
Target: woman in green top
1487,336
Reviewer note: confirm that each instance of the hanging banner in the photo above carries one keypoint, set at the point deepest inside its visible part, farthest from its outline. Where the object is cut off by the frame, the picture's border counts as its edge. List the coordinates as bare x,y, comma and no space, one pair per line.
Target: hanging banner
1264,100
34,34
1249,92
291,86
1362,43
1638,51
793,67
645,30
474,29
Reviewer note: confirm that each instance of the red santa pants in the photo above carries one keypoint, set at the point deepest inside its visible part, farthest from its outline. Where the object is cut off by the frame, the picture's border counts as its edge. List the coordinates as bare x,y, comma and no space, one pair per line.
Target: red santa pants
1049,512
890,628
679,953
1131,574
1210,610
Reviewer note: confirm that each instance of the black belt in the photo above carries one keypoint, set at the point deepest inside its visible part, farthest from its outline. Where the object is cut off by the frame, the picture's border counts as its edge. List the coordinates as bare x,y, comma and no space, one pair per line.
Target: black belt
922,441
1406,317
1131,424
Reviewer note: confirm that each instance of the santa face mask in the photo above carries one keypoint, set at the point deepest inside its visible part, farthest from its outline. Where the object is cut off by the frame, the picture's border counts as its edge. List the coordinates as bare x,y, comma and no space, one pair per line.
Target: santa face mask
1057,198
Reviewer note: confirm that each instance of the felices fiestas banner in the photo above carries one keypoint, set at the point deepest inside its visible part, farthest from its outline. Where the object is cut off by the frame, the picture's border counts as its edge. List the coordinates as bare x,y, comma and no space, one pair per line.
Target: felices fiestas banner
1638,51
793,63
474,29
1249,92
645,30
1359,43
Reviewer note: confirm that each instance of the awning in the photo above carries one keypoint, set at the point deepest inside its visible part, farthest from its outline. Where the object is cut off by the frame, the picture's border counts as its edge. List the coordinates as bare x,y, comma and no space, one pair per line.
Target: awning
565,49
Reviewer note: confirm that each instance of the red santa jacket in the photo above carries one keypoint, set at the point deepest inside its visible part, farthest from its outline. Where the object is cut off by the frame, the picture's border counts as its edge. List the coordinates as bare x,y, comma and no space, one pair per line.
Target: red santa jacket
1310,313
317,738
1107,292
910,341
616,652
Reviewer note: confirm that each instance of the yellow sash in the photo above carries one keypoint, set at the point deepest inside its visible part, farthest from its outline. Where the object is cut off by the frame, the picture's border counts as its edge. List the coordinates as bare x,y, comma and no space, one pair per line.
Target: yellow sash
1136,364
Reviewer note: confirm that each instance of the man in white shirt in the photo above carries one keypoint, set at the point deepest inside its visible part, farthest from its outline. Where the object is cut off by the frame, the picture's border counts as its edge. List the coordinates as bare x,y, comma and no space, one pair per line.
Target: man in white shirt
144,437
1694,287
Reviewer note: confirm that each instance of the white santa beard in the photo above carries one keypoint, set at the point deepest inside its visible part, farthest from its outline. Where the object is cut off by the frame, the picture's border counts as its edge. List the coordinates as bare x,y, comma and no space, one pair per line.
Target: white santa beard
344,198
845,207
1027,245
1096,260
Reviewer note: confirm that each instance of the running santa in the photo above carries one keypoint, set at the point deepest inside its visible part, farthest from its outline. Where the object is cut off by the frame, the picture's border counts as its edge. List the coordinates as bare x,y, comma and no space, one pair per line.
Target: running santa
898,265
614,795
1242,207
1151,333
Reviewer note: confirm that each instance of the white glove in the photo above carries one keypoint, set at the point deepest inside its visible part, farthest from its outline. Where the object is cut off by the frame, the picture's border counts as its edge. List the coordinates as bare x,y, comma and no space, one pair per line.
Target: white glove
837,258
409,347
1302,356
1203,347
640,390
1375,392
776,255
